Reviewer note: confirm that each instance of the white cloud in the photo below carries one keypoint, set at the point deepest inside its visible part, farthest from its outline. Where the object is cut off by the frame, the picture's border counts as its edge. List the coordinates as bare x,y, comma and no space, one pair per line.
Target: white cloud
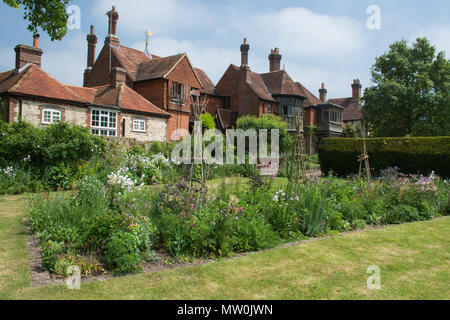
438,35
212,35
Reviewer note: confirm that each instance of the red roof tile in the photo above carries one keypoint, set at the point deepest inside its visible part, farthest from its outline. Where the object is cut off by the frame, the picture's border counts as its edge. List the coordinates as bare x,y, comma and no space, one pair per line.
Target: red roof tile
352,111
126,99
311,99
280,83
208,85
157,68
33,81
130,59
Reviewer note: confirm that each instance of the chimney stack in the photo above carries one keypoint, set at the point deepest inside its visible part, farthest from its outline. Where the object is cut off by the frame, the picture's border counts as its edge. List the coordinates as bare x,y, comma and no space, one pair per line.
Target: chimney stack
323,93
28,54
92,44
245,47
275,60
118,76
113,17
356,88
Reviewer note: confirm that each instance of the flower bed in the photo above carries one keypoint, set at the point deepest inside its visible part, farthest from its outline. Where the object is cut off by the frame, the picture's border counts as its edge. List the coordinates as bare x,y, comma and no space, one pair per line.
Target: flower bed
116,227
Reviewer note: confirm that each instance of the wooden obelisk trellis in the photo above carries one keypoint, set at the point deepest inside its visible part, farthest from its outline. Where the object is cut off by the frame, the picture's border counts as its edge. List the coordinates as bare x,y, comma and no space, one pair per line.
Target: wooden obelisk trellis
198,185
297,163
364,157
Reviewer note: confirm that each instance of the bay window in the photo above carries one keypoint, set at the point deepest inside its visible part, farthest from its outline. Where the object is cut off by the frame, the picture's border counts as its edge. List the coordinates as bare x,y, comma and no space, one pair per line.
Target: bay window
104,123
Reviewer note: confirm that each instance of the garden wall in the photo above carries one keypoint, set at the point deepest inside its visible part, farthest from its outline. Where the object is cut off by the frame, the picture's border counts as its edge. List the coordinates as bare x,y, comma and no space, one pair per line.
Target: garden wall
410,155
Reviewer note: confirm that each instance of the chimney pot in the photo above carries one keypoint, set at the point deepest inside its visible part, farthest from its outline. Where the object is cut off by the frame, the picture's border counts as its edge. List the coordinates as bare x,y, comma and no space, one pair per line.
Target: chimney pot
245,47
275,60
323,93
356,90
36,40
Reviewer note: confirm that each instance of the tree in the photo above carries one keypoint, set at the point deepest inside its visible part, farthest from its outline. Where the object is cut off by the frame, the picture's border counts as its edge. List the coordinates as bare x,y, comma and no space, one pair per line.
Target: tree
411,92
50,15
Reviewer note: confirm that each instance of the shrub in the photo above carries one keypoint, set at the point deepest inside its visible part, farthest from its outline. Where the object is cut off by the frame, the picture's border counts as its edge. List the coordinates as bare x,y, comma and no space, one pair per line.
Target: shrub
122,254
410,155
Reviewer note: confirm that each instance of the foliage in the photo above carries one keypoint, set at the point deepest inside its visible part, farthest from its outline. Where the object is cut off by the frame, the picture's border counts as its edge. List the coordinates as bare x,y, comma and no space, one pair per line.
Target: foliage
352,130
50,15
208,121
411,155
267,122
411,92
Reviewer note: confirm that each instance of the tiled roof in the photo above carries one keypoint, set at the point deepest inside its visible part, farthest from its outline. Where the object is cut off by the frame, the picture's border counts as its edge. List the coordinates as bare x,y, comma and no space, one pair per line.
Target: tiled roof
280,83
352,111
157,68
311,99
208,85
33,81
130,59
127,99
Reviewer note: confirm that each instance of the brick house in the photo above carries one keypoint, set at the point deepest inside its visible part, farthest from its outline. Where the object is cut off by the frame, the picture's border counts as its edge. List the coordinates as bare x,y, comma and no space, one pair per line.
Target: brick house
249,93
171,83
30,94
352,105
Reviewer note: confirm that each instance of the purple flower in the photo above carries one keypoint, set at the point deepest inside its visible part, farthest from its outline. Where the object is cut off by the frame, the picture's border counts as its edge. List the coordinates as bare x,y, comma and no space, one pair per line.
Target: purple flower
237,218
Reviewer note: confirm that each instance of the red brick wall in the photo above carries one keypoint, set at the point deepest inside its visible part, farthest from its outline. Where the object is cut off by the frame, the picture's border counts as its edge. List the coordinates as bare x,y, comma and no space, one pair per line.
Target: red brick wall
153,90
13,105
184,74
178,120
214,103
229,86
100,74
310,117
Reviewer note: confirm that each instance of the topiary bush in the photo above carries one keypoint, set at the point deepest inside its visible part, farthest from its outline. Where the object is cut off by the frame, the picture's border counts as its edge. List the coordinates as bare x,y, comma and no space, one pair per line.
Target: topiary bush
410,155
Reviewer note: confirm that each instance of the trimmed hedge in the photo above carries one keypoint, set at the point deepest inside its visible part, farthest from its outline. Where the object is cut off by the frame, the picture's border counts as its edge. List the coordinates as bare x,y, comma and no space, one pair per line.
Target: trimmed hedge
410,155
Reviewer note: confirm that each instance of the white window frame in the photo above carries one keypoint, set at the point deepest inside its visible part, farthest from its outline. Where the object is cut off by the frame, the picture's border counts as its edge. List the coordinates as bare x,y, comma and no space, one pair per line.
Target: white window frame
53,113
104,115
138,124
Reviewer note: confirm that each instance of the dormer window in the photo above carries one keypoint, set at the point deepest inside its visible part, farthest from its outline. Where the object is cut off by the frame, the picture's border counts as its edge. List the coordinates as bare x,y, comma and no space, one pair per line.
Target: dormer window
50,116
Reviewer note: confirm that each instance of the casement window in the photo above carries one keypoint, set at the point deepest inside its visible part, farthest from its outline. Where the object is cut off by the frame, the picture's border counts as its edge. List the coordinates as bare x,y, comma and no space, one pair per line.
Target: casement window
336,116
269,108
104,123
178,92
139,125
50,116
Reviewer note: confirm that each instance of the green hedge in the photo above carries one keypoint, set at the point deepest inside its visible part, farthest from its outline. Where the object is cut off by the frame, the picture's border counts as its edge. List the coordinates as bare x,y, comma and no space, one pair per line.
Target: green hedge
410,155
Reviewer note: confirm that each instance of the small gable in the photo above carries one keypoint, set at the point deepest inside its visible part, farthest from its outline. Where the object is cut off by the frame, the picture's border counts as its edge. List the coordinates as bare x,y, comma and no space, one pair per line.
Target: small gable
183,72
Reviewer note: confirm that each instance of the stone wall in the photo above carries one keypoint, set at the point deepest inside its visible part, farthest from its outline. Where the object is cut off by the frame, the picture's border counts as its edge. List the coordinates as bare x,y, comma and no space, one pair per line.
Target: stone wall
156,128
32,112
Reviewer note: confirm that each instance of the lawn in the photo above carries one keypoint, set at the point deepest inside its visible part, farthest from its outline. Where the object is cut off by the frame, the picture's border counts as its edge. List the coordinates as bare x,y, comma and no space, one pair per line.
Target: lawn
414,260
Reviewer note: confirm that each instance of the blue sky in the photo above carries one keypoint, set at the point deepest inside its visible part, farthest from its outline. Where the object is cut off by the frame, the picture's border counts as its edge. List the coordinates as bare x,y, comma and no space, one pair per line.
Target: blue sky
321,41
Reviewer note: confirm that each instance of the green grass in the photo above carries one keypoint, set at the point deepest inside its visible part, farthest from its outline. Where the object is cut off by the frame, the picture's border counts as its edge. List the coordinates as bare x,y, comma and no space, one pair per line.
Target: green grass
414,261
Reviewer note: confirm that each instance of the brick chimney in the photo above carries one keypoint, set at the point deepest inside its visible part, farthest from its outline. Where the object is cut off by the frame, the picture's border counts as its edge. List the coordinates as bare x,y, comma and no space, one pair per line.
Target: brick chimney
245,47
275,60
118,76
113,17
92,44
323,93
27,54
356,89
